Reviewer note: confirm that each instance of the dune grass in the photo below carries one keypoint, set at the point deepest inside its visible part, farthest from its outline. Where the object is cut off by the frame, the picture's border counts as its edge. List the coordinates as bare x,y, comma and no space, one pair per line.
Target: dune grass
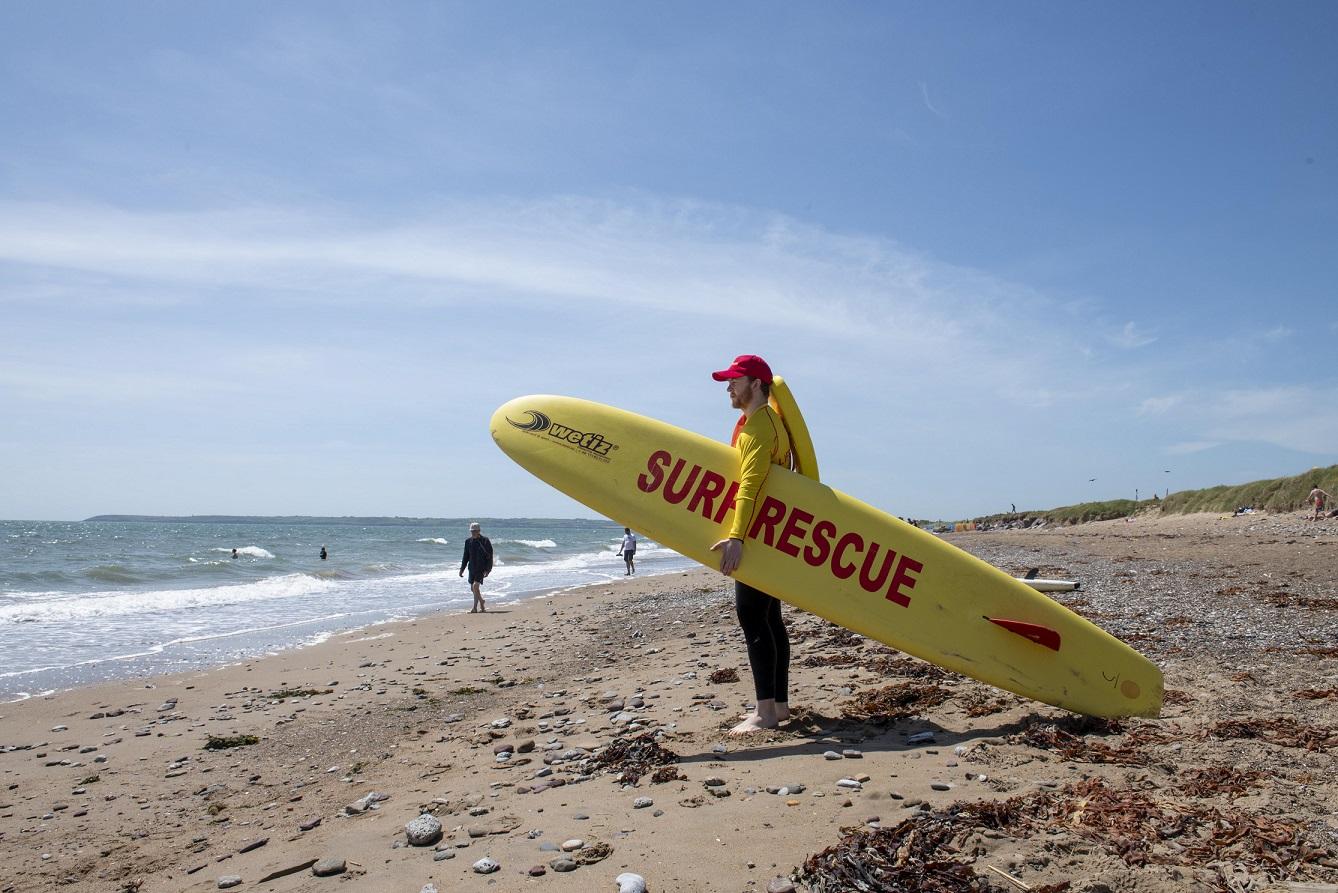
1274,495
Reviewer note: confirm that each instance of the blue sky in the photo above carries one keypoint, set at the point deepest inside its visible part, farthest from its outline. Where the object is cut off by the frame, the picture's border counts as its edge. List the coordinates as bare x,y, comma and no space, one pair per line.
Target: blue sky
280,258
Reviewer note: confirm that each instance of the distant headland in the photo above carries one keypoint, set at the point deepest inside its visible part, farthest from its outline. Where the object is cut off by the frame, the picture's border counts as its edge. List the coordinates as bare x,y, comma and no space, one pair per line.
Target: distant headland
347,520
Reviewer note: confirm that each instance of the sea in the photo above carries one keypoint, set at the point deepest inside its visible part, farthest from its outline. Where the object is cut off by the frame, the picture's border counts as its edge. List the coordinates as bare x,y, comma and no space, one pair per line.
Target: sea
118,597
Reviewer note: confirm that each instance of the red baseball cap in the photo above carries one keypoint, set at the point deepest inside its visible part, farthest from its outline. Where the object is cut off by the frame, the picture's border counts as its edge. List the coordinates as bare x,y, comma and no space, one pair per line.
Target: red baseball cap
745,365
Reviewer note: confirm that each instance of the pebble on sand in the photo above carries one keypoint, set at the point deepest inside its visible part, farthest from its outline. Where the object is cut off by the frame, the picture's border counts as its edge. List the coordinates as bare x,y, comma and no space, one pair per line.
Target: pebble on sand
424,830
329,867
631,883
486,866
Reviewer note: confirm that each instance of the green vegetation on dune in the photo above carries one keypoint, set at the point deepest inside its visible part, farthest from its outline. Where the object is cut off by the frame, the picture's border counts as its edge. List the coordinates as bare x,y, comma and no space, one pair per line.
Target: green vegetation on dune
1275,495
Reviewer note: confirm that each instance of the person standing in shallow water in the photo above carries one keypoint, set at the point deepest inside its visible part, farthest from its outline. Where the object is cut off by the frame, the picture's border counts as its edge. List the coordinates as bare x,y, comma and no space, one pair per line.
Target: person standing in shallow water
478,559
762,443
628,551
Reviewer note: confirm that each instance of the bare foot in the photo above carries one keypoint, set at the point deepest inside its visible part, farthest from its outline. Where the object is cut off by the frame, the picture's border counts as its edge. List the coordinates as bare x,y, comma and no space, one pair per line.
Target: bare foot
782,712
753,723
473,610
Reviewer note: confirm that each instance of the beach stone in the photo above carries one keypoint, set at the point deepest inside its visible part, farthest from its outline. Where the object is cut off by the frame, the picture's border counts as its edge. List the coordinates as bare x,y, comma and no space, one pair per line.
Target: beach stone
526,746
329,867
631,883
852,754
228,881
940,786
369,801
423,831
780,885
921,738
428,888
309,824
443,855
486,866
253,844
537,871
831,755
569,846
714,781
850,783
562,864
642,802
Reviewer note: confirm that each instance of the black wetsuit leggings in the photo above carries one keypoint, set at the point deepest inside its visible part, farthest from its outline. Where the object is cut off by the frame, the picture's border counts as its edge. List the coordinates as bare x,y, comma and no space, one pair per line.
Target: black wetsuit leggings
768,643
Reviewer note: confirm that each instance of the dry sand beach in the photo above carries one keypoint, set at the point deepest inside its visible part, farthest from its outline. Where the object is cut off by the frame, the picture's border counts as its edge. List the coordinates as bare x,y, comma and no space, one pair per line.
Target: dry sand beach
598,716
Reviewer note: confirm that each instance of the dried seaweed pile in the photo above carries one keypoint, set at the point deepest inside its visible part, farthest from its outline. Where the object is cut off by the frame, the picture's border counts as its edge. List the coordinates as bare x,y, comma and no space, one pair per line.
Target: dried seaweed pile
1284,730
634,757
1141,830
898,701
919,854
843,638
984,702
906,666
925,852
1215,781
1065,738
840,659
726,674
1316,694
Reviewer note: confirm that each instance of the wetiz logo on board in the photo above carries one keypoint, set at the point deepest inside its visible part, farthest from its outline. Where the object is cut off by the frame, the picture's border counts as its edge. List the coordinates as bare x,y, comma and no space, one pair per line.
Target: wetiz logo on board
539,423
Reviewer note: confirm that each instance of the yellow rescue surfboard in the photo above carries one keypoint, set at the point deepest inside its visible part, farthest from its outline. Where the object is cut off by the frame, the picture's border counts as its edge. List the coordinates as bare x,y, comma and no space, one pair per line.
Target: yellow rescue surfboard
830,554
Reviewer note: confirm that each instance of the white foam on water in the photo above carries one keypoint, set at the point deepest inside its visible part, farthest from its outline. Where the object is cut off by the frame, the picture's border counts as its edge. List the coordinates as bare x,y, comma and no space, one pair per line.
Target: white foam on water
535,544
248,551
85,605
434,539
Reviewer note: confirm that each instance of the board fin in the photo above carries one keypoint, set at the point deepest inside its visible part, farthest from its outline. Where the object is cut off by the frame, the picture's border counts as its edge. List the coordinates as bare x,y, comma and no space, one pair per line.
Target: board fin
1041,635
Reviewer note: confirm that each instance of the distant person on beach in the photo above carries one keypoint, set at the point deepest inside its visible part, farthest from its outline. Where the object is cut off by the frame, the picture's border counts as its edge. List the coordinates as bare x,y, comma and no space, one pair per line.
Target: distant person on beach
234,551
324,555
1318,498
762,442
478,558
628,551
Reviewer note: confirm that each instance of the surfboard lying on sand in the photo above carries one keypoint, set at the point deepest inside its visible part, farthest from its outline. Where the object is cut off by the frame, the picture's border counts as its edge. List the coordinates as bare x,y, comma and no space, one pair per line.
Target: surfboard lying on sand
1051,585
830,554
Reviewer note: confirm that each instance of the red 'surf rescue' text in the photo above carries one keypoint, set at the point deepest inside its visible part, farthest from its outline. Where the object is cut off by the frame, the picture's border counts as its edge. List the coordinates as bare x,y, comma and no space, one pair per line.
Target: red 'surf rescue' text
787,529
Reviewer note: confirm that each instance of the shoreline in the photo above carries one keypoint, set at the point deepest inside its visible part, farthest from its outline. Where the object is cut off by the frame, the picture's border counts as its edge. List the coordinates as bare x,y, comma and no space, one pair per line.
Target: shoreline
315,638
440,712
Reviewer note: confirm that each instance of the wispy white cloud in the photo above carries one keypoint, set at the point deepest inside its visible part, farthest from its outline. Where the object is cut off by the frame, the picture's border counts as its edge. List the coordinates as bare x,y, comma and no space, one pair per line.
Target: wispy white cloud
691,258
1277,334
1295,417
1160,405
1130,337
924,94
1192,446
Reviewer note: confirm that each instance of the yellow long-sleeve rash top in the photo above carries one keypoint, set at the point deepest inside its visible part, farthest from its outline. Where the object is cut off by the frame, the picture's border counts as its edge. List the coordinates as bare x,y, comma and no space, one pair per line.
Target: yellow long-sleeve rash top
762,443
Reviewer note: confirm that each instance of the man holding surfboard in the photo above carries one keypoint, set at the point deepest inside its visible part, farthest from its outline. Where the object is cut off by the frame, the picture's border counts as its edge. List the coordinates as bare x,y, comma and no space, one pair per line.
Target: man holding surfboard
762,442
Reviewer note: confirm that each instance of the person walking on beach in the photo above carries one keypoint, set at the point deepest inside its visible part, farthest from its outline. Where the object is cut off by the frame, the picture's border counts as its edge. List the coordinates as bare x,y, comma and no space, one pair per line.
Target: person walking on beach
478,558
762,442
1318,498
628,551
